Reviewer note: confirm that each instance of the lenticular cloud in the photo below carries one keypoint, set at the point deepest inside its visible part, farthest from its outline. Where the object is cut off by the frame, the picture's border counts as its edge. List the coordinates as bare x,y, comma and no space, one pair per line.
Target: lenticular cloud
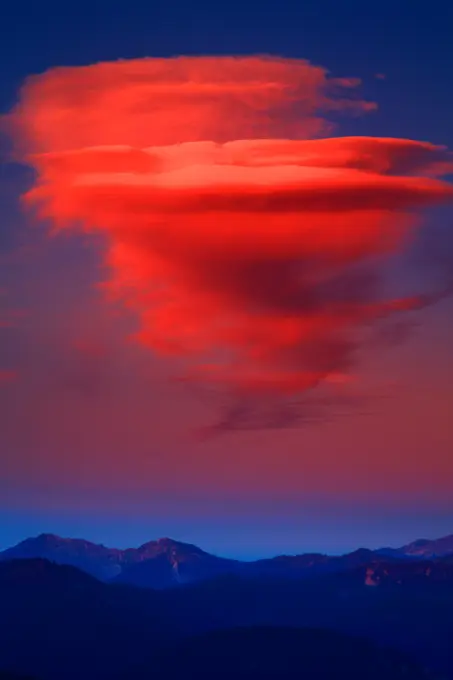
235,228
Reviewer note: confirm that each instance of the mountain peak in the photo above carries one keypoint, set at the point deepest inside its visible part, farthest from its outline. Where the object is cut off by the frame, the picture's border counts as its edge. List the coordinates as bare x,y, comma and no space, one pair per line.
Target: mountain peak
46,538
430,548
360,552
53,539
165,540
165,544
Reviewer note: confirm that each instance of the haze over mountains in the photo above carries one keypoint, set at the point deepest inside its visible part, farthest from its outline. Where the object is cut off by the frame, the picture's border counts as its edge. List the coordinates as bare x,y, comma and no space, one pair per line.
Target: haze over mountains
165,563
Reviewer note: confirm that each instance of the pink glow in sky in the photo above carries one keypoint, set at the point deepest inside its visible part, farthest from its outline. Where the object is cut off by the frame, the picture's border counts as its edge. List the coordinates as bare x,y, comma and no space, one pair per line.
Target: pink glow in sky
243,249
241,252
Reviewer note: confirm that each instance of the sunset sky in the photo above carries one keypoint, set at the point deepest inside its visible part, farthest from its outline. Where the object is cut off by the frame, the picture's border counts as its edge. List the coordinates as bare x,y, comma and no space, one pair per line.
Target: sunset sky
225,278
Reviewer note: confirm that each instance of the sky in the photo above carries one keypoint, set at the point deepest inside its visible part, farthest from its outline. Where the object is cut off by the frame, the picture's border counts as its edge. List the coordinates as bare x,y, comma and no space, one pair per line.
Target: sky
225,271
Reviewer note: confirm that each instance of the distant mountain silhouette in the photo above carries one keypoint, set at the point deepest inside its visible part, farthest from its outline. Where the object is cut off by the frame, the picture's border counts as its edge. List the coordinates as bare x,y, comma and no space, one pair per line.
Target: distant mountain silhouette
95,559
59,622
167,563
424,547
170,563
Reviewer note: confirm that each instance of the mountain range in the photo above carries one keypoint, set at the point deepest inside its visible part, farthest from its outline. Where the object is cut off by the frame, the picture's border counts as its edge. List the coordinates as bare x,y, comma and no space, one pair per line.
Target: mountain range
166,563
73,609
57,621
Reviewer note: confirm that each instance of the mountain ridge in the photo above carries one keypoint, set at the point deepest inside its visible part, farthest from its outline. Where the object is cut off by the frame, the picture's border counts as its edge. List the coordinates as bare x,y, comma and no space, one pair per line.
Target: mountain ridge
165,562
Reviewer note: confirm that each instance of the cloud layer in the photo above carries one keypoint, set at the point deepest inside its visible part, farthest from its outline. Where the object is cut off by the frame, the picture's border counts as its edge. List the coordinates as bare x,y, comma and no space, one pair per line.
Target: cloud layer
240,238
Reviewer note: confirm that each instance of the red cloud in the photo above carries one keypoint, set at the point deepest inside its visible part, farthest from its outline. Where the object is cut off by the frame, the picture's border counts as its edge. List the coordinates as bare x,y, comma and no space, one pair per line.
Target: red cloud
239,250
145,102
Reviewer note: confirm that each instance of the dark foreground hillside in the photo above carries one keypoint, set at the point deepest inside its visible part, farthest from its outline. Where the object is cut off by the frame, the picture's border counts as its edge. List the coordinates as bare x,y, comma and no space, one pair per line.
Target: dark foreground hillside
59,623
280,654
